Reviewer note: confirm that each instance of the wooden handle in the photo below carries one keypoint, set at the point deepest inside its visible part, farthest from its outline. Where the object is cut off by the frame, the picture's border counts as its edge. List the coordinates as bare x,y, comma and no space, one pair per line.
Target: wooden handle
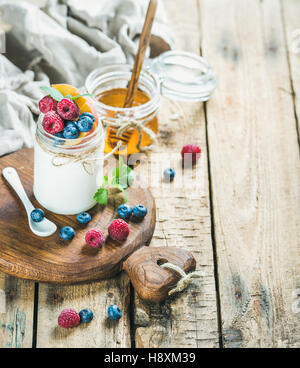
151,281
139,58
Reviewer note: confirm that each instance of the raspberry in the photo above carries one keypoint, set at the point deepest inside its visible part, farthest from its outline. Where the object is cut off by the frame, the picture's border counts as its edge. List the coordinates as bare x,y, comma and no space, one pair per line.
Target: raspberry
118,230
67,109
53,123
68,318
47,104
191,149
95,238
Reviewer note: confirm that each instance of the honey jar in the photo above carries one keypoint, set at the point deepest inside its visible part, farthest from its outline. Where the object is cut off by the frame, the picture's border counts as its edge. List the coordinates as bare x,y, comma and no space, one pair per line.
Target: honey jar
177,75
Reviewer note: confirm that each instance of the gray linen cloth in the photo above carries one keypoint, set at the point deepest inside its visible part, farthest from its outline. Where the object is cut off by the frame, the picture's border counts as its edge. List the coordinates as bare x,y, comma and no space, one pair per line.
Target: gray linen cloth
62,41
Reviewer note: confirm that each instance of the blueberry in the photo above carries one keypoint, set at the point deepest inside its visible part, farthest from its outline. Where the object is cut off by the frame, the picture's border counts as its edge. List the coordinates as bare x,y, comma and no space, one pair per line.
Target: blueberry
59,135
84,218
124,211
114,312
58,142
85,123
67,233
37,215
169,174
86,315
89,115
71,132
70,122
140,211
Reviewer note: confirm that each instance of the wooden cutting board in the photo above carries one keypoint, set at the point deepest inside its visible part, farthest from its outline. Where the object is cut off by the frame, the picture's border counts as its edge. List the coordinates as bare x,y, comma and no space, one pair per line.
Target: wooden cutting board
53,260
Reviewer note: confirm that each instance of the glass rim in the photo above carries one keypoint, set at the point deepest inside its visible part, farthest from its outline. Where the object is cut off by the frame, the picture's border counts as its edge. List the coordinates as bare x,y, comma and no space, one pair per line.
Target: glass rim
64,143
106,73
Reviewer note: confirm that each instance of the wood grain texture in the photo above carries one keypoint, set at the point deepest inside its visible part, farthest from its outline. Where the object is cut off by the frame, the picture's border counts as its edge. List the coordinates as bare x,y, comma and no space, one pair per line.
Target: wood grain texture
97,296
16,312
290,15
152,282
53,260
254,161
183,213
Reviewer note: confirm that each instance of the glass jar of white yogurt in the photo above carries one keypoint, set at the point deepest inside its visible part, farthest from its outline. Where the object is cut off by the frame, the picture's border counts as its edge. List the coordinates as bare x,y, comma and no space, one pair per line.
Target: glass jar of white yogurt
67,172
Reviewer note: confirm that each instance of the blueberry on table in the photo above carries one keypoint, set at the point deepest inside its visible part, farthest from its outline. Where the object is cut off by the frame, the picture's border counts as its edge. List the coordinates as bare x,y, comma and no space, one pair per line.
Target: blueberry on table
169,174
67,233
139,211
83,218
114,312
124,211
86,315
37,215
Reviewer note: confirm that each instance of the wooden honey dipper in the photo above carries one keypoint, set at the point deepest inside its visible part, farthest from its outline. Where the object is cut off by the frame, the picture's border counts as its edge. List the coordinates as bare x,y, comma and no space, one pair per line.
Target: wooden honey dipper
140,56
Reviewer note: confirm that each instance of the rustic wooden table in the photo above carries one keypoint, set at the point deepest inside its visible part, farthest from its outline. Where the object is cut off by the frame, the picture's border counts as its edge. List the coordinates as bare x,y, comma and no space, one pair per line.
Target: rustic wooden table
243,224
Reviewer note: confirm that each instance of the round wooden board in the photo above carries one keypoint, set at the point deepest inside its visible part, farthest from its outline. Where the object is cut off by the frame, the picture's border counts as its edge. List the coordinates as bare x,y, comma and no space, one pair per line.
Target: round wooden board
27,256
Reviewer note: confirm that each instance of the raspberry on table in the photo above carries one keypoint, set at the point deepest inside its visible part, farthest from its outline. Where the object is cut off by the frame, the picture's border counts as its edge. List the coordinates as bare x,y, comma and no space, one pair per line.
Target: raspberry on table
118,230
86,315
124,211
68,318
191,150
95,238
37,215
47,104
67,109
114,312
53,123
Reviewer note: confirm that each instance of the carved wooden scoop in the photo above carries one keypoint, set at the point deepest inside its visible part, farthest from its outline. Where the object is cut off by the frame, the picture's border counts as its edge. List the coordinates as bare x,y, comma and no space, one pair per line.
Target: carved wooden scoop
151,281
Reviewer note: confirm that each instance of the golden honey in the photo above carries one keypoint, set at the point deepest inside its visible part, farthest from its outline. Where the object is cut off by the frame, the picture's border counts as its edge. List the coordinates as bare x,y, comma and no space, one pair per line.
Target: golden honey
115,98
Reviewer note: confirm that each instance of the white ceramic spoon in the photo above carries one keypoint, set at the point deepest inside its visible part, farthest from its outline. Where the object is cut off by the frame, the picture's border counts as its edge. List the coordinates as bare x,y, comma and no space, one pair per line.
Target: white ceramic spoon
43,228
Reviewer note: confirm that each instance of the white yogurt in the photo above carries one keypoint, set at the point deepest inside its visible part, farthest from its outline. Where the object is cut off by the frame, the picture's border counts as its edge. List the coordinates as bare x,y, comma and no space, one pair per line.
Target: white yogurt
67,189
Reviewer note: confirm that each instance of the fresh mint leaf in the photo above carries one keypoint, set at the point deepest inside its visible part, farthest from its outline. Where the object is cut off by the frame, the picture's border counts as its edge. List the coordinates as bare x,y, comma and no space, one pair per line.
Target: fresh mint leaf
101,196
75,97
54,93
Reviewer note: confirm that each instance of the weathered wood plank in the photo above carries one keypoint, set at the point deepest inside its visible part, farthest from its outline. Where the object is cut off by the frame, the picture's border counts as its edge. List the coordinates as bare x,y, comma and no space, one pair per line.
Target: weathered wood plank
254,163
183,213
16,312
98,296
291,14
